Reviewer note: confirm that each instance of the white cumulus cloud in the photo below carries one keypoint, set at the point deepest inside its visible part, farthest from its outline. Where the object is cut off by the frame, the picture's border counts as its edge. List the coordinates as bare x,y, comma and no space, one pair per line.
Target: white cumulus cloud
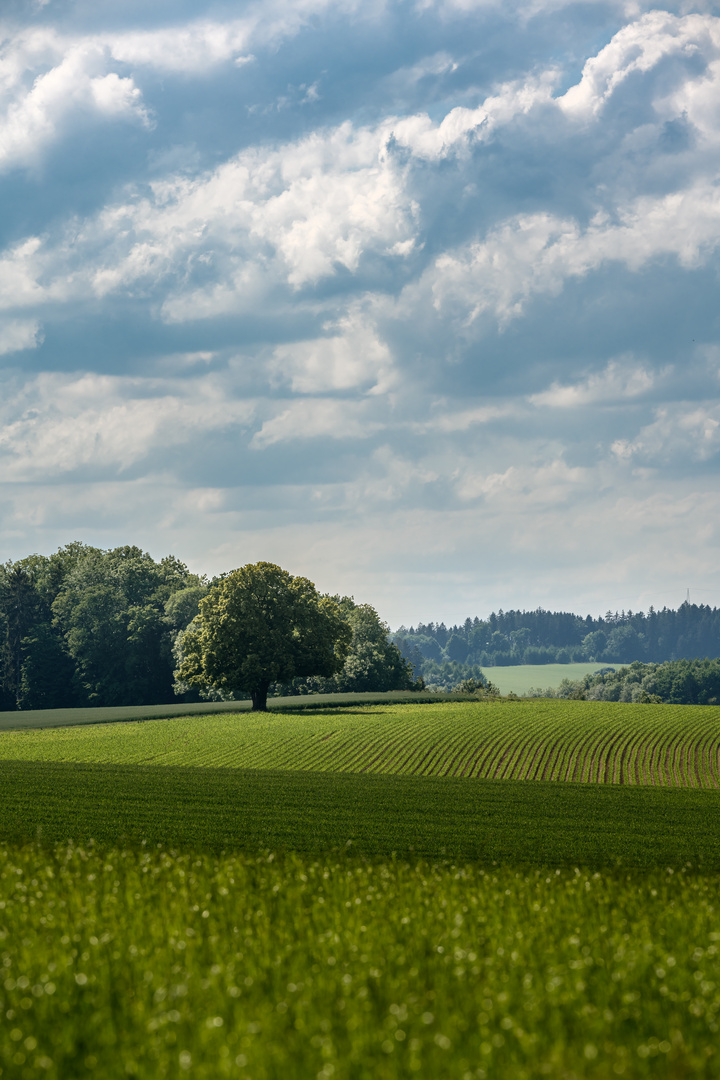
639,47
352,357
534,254
317,418
622,379
680,433
76,88
19,334
56,424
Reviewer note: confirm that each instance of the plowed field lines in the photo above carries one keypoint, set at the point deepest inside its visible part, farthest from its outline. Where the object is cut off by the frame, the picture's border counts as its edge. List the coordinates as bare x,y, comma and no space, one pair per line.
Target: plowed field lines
648,747
579,741
560,745
594,768
709,760
474,765
526,757
481,764
704,767
533,760
515,762
577,758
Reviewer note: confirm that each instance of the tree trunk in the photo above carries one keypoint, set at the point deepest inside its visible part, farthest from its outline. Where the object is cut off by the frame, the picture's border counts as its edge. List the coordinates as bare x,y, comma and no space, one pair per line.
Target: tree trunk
259,698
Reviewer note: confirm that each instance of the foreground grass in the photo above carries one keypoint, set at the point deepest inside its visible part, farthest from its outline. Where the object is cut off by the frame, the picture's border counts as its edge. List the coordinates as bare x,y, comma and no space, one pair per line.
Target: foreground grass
434,817
150,963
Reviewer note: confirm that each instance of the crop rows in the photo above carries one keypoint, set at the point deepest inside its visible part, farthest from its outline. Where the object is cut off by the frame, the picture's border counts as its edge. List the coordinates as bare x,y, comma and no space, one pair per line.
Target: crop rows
591,742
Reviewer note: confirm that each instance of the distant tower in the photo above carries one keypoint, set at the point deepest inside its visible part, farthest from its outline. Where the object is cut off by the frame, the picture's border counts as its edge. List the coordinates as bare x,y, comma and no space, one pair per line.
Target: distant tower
687,598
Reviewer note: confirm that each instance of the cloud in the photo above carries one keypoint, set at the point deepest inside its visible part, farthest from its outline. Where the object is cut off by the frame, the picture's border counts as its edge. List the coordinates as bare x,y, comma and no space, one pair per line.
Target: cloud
19,334
678,434
51,81
189,49
552,483
299,212
529,9
391,478
77,88
535,254
619,381
55,425
638,48
221,240
20,269
454,133
296,214
403,297
452,421
316,418
354,357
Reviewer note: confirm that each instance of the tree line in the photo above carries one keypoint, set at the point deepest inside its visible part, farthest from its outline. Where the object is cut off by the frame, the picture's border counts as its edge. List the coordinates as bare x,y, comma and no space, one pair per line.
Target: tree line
548,637
676,682
87,626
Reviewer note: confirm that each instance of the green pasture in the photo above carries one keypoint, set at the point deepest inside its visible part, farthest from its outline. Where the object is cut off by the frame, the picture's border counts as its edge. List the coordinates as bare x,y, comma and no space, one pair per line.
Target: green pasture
524,677
534,739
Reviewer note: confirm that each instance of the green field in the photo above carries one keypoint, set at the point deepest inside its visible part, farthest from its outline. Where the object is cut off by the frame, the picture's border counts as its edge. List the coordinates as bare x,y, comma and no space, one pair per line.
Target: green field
362,893
524,677
368,814
536,739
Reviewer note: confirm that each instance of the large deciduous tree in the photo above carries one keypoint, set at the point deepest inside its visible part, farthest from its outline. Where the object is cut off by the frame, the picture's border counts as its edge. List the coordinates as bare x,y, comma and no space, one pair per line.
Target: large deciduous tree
373,663
260,625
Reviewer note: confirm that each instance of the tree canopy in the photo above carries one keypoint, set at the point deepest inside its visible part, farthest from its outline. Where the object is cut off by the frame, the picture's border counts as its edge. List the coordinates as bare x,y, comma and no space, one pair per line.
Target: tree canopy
90,627
373,661
260,625
86,626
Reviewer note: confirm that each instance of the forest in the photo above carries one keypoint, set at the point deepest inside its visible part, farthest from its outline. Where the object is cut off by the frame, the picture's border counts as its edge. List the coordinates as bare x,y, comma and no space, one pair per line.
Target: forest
85,626
440,653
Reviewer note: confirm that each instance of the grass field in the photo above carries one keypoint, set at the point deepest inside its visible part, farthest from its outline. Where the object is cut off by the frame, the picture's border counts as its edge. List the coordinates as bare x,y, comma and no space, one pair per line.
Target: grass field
342,896
536,739
520,679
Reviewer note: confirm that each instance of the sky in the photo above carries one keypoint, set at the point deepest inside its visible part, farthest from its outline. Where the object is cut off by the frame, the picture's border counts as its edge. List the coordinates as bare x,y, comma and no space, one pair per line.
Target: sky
418,299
